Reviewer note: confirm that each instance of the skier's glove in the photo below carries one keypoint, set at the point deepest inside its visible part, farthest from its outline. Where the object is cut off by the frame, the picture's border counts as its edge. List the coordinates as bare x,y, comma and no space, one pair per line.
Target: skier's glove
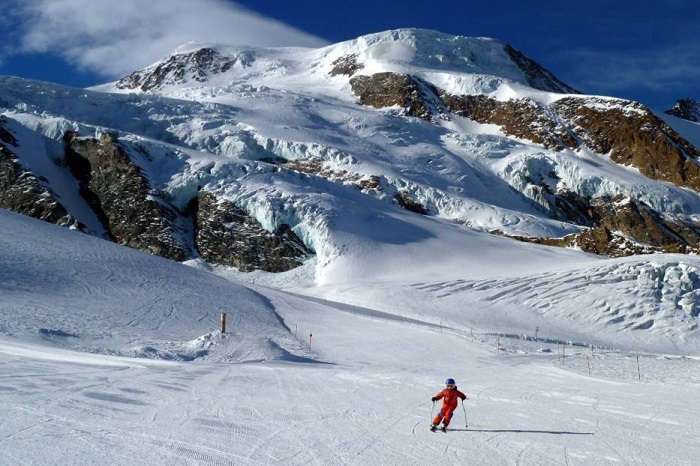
435,399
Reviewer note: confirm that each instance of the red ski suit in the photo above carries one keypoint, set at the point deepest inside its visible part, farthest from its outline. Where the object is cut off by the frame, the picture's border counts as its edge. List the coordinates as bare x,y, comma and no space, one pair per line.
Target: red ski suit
449,404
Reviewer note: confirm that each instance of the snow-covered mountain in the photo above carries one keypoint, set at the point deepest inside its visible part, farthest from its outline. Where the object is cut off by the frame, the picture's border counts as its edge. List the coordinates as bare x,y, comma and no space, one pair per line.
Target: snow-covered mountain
395,156
374,216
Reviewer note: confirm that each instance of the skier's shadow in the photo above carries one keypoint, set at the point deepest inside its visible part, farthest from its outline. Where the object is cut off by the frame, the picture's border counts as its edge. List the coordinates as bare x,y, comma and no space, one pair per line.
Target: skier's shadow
523,431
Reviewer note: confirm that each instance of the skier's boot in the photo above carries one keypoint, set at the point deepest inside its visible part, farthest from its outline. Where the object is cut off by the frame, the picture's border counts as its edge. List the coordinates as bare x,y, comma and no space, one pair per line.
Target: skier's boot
433,428
443,428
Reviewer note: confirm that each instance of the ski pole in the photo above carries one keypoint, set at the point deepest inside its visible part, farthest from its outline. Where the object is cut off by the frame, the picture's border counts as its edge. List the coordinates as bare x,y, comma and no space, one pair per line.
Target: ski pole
431,412
466,422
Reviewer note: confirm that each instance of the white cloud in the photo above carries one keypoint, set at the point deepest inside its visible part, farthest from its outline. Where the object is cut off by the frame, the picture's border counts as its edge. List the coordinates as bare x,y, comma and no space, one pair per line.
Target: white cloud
115,37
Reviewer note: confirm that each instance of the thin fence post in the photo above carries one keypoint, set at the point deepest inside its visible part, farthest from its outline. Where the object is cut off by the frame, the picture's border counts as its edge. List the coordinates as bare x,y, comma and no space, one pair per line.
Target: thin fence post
588,360
563,353
311,335
498,343
639,373
222,323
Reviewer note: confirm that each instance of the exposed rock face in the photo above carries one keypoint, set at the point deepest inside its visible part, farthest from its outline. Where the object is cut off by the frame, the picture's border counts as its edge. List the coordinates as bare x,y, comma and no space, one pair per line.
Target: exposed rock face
121,196
536,75
639,222
197,65
415,97
621,226
227,235
521,118
23,192
313,166
688,109
346,65
407,202
633,135
626,130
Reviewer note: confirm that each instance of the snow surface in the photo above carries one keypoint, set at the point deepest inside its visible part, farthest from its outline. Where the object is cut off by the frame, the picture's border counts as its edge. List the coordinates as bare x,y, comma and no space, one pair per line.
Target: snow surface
358,392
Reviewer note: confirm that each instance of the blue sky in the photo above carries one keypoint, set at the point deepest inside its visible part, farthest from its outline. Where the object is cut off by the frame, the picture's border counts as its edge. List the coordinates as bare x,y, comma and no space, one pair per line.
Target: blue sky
645,50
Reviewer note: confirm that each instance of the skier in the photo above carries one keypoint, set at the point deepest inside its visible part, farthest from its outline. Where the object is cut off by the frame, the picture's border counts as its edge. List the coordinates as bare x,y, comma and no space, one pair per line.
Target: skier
449,403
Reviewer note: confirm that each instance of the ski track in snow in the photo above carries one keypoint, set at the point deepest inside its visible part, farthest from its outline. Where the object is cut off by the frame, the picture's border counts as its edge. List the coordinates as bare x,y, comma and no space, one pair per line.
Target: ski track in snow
369,403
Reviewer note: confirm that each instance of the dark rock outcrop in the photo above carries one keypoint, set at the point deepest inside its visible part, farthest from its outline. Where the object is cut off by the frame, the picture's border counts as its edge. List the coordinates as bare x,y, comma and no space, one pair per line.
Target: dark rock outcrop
537,76
227,235
688,109
316,167
405,200
628,131
521,118
633,136
346,65
121,197
197,65
621,226
416,97
23,192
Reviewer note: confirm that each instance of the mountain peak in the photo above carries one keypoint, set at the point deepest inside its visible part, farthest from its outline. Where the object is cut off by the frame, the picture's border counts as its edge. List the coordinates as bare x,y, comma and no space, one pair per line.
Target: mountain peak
474,64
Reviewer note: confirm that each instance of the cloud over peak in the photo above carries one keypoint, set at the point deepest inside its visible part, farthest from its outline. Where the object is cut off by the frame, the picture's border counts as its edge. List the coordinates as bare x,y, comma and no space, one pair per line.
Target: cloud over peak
112,38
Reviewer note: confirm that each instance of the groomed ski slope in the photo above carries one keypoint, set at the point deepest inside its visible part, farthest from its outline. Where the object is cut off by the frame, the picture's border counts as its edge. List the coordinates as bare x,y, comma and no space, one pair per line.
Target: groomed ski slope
359,394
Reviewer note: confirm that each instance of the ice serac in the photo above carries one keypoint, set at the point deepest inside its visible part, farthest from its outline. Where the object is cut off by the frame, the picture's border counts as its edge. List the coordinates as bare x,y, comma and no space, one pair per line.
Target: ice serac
120,195
688,109
22,191
227,235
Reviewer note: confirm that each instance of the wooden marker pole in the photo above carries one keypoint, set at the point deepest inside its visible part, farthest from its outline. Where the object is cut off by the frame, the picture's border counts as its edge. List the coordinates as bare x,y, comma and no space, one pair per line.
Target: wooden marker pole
222,323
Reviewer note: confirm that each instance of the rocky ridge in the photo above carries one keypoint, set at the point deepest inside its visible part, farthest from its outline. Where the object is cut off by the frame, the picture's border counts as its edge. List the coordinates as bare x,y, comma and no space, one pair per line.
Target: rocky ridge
198,65
537,76
688,109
